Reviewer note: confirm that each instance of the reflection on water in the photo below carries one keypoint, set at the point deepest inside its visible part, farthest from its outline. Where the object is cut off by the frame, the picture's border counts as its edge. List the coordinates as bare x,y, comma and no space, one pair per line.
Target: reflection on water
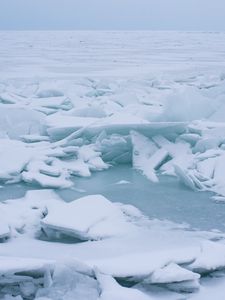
165,200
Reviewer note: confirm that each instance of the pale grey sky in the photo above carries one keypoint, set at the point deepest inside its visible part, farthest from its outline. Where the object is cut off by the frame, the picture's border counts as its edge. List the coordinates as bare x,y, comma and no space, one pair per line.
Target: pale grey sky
113,14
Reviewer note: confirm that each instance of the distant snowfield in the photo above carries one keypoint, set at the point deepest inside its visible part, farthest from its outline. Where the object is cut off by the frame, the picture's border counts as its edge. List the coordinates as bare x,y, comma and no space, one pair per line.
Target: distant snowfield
74,103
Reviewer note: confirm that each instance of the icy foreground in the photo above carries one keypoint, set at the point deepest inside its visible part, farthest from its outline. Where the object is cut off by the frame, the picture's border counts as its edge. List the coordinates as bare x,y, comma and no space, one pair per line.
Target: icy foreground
41,220
72,104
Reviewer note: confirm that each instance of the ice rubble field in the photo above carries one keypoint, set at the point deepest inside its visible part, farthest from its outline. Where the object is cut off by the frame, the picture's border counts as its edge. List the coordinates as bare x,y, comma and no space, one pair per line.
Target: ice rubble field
74,103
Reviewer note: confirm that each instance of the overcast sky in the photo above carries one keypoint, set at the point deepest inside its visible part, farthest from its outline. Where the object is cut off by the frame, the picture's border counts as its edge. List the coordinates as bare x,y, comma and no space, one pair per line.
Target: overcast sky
113,14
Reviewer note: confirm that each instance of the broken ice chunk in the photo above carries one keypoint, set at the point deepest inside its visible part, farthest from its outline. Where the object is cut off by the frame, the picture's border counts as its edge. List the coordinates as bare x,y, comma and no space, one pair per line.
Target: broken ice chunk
211,258
188,178
70,280
146,155
174,149
91,217
171,273
23,276
111,290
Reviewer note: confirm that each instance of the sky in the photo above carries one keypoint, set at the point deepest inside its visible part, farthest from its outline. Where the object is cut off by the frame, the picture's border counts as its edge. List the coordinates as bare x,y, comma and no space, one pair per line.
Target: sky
112,15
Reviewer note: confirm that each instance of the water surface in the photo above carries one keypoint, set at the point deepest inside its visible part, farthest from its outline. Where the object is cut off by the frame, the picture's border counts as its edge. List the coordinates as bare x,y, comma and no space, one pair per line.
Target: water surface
167,199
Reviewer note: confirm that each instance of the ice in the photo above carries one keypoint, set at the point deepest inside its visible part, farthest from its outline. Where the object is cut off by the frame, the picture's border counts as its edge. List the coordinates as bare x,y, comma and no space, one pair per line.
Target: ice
191,138
179,105
34,138
23,276
210,288
12,165
207,167
172,273
59,126
47,164
219,170
146,155
46,181
123,182
55,103
17,121
211,258
207,143
139,266
102,219
111,290
47,93
69,283
185,177
12,265
159,106
4,227
23,216
114,148
8,297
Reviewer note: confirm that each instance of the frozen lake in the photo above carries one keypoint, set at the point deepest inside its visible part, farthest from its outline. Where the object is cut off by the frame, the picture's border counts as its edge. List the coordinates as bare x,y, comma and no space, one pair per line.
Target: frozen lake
166,200
71,103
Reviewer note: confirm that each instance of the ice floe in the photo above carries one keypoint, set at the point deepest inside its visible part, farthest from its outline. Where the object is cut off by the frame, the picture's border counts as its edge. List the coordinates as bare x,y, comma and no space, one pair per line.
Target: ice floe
91,217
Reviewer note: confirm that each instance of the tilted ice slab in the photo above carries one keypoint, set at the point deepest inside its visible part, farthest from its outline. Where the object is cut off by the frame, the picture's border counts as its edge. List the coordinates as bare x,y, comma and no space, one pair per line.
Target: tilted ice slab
146,155
91,217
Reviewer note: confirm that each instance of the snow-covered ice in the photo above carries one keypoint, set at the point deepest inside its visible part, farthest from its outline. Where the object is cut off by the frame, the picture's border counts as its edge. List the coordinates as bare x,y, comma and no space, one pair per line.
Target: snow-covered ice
76,103
91,217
